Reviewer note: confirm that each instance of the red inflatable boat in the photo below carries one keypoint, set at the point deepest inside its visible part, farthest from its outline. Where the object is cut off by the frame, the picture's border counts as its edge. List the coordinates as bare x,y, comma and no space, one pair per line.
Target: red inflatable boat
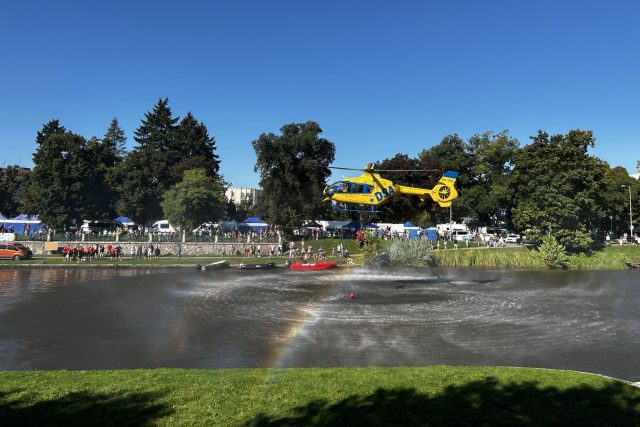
312,266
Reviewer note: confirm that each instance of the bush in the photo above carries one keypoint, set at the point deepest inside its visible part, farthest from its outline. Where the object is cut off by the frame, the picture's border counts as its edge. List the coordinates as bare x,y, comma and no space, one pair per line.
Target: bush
415,253
373,250
576,241
552,253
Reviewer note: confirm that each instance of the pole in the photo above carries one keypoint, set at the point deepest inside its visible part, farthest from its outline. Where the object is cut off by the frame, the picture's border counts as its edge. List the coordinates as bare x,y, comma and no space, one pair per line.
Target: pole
630,216
630,212
450,221
611,225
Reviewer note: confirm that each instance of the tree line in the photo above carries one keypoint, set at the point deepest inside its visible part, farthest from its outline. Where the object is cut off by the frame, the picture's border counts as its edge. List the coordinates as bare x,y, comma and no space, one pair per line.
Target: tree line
552,185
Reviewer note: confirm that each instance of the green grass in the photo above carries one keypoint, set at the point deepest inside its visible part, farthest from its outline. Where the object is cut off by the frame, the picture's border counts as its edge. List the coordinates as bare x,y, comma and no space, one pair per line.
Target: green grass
437,395
608,258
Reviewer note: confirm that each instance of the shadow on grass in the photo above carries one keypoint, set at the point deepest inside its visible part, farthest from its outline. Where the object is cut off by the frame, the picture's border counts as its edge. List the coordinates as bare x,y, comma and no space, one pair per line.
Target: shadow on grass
486,403
83,409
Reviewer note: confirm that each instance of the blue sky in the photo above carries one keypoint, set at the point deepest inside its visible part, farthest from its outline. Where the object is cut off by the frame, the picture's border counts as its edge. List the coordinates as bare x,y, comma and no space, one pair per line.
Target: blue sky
380,77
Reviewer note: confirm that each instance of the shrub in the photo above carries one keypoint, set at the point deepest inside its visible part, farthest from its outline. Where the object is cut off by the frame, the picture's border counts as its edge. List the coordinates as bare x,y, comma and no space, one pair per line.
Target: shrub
575,241
552,253
415,253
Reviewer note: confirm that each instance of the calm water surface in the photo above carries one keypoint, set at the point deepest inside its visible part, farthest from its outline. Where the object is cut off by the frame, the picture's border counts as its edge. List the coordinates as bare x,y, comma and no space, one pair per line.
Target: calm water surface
105,319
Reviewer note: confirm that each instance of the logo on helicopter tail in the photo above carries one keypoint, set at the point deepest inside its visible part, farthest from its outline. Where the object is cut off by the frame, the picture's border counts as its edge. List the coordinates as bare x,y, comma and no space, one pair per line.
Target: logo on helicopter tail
383,194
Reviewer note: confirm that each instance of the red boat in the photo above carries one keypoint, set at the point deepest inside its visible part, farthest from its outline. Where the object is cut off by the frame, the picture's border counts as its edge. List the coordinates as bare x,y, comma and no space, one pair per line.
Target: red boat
312,266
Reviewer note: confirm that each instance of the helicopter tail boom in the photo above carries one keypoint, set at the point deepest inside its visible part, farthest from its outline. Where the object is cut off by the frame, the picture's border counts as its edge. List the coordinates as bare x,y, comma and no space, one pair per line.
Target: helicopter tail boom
443,192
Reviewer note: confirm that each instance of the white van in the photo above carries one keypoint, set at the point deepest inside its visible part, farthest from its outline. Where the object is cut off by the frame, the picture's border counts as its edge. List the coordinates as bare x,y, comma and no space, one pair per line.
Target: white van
162,227
460,236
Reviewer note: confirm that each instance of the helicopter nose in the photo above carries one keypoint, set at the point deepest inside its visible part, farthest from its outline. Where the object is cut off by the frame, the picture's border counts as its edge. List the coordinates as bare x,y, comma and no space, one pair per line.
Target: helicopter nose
327,193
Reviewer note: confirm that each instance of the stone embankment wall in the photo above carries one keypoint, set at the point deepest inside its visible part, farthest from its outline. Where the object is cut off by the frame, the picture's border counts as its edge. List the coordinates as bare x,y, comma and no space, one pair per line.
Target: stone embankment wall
187,248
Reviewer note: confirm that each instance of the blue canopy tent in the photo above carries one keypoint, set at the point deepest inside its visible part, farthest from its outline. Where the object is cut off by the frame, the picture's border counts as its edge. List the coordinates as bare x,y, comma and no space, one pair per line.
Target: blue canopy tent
432,233
124,220
253,223
127,222
369,224
411,229
353,226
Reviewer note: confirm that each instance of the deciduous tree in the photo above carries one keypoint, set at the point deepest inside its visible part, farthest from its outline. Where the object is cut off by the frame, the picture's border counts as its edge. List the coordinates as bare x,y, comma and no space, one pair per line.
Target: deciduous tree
557,187
198,198
293,171
13,181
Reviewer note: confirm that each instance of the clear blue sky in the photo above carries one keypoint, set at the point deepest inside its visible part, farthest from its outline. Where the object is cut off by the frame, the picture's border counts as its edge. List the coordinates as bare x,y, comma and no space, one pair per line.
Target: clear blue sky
380,77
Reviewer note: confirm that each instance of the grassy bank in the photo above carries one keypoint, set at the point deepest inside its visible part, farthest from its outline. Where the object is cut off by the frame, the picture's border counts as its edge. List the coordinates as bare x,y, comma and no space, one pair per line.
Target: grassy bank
438,395
326,244
610,257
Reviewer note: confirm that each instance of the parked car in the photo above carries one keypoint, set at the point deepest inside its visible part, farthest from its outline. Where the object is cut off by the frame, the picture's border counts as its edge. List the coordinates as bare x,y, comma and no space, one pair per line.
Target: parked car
512,238
13,250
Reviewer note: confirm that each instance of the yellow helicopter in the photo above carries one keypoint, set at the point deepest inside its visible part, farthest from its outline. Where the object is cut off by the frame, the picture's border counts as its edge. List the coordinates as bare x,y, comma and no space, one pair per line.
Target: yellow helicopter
369,190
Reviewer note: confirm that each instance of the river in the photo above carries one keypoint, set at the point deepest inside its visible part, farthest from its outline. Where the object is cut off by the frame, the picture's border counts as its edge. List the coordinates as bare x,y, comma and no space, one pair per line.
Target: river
136,318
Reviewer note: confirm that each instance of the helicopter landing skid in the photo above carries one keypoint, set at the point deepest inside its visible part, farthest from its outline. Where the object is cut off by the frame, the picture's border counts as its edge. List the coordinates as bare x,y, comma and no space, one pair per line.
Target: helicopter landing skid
350,207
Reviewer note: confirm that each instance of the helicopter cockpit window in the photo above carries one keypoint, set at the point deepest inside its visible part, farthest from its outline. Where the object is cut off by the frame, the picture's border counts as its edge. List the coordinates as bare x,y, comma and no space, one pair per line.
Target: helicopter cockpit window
356,188
366,188
334,188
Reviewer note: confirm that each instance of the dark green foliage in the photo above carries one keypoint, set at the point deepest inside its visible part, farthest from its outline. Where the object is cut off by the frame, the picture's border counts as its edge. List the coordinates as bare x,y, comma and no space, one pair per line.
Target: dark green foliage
113,144
61,181
488,188
139,194
72,179
558,187
51,128
164,152
198,198
13,181
146,170
615,200
194,148
484,163
450,154
293,170
401,209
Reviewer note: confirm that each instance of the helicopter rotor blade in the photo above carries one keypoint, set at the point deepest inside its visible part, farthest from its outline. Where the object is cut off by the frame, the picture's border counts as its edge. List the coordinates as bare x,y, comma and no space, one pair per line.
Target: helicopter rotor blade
371,170
406,170
346,169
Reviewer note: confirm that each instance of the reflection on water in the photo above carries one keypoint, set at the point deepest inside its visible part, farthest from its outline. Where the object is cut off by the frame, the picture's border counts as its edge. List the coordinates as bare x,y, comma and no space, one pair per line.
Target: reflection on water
103,319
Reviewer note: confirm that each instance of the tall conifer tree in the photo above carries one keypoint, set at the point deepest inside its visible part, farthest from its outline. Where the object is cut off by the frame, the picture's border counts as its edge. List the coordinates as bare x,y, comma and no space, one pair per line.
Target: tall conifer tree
147,168
194,148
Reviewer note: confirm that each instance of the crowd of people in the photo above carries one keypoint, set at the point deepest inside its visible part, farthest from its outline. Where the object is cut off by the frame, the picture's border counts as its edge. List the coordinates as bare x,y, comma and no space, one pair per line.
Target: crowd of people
86,253
81,253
